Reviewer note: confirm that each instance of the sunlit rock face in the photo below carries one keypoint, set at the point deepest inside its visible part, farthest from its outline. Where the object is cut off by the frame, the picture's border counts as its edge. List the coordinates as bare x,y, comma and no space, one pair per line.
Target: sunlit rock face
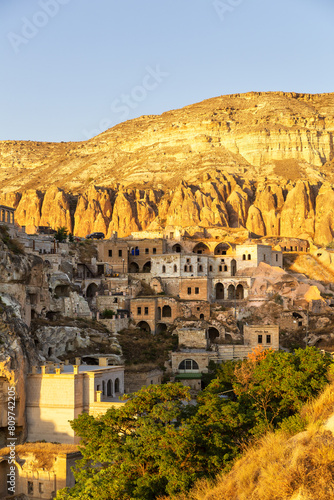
256,161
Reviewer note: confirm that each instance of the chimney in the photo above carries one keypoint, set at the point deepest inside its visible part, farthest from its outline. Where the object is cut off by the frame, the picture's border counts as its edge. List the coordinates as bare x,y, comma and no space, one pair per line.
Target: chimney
43,369
57,371
78,361
103,361
98,396
75,369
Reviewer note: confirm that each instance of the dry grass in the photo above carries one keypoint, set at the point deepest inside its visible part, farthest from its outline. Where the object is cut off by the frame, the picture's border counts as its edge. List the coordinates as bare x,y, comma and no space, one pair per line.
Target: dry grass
280,467
309,265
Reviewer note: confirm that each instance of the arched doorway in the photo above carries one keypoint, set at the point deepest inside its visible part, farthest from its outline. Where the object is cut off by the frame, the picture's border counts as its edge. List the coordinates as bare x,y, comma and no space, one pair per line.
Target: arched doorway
109,388
201,316
233,267
219,291
231,292
166,312
147,267
117,386
201,248
239,292
133,268
144,326
176,248
161,328
91,290
213,333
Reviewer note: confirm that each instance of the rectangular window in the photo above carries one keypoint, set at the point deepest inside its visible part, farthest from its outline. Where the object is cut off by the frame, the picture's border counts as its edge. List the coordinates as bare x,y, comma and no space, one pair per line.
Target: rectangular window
146,311
138,310
220,268
268,339
276,257
146,250
120,253
210,269
196,290
259,339
30,488
189,291
98,387
110,253
154,250
41,488
188,261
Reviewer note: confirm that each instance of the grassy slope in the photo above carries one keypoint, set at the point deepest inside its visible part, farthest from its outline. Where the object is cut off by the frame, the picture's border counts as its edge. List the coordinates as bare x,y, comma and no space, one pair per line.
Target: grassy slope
281,467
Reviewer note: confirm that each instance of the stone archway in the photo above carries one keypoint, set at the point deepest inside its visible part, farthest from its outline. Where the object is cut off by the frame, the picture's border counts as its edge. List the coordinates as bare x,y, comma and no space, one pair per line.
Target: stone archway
220,293
109,388
166,312
91,290
133,267
201,248
239,293
231,292
144,326
161,328
147,267
176,248
213,333
221,249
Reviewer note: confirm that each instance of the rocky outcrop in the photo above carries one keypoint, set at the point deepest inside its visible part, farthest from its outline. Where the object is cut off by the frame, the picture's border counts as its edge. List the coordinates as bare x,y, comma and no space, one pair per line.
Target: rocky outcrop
256,161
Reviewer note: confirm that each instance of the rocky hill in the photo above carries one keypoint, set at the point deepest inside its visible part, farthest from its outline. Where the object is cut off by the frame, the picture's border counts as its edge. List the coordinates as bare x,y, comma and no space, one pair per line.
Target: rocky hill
260,161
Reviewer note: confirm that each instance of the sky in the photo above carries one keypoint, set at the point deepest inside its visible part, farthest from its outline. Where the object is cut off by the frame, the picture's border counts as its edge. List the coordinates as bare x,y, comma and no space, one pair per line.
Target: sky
71,69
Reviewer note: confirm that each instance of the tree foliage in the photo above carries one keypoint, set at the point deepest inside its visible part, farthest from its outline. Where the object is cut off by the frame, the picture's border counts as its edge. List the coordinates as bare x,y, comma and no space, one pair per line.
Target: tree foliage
158,443
61,234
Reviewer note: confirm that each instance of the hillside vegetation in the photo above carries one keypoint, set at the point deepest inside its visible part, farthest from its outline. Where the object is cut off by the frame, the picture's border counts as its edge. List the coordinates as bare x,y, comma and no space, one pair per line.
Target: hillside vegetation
282,466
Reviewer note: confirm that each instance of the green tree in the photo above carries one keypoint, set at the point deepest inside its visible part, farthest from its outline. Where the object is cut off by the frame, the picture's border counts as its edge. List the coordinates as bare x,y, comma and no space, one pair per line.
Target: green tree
277,386
61,234
153,445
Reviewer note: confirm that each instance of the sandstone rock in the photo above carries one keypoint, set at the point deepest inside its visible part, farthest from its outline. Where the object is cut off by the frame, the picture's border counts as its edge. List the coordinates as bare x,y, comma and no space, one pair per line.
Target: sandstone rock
56,209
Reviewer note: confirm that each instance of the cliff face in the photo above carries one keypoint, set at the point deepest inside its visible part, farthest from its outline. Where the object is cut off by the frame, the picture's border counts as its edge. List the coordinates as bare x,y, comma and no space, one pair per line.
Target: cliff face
261,161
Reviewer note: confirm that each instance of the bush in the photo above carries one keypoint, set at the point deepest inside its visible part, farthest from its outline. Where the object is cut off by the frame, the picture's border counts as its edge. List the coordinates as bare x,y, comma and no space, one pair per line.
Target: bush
108,313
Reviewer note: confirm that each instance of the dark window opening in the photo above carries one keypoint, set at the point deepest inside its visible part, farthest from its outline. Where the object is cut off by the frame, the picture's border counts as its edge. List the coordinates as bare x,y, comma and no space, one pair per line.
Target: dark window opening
189,291
146,311
259,339
110,253
268,339
120,253
138,310
196,290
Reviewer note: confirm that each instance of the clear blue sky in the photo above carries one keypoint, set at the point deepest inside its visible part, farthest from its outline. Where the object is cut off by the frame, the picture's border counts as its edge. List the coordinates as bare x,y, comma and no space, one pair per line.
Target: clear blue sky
72,68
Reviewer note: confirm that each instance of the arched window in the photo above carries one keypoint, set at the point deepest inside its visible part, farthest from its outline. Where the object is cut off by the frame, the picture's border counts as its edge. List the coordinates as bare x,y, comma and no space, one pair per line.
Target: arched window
201,316
163,269
200,269
249,257
225,268
188,364
117,385
190,269
244,257
185,269
175,268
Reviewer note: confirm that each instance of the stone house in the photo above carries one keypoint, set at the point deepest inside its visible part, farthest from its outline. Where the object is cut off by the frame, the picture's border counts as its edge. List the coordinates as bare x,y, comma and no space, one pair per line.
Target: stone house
55,398
40,470
197,349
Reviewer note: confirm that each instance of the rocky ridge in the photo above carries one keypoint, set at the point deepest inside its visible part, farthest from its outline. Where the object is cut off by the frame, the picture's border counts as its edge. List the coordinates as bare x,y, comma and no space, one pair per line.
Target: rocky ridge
257,161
